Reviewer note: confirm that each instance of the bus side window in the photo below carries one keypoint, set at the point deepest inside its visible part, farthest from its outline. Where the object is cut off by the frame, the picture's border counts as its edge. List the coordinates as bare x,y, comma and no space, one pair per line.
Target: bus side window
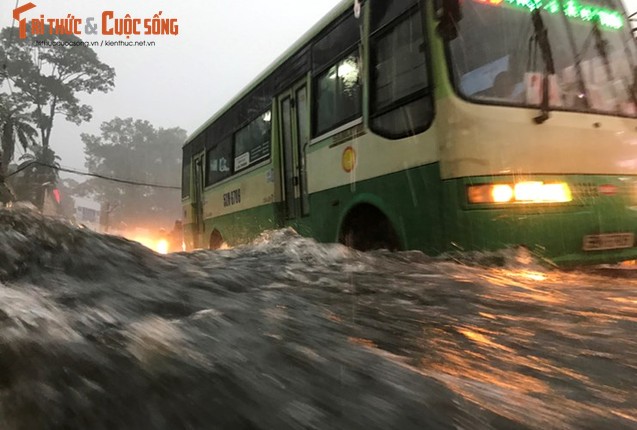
252,142
219,161
185,179
336,70
338,95
401,101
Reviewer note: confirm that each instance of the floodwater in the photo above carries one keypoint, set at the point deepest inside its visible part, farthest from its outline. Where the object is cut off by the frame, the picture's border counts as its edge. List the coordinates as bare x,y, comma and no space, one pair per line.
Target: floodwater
98,332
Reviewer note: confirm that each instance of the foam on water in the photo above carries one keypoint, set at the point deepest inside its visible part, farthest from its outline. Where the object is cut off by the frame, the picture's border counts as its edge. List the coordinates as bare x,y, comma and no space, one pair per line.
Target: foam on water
99,332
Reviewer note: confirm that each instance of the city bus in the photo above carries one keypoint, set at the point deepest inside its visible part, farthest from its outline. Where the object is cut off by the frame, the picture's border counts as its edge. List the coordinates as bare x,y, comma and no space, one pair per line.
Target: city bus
433,125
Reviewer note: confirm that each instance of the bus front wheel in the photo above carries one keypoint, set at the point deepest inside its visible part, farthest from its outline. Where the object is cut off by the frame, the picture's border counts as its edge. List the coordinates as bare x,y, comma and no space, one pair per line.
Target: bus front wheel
366,228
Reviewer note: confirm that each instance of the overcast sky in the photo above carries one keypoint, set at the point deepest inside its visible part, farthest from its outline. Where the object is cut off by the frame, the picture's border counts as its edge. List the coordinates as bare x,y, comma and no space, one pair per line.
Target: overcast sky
184,79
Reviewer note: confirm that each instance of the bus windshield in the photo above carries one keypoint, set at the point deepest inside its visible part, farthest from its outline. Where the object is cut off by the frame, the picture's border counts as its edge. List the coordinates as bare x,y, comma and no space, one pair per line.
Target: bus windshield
498,57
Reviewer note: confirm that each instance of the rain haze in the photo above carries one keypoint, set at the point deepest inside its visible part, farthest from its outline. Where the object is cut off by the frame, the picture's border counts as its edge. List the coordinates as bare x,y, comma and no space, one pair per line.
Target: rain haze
184,79
442,239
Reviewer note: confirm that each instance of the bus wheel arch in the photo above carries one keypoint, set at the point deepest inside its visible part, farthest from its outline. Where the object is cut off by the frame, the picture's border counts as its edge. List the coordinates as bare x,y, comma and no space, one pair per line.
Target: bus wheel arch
366,227
216,239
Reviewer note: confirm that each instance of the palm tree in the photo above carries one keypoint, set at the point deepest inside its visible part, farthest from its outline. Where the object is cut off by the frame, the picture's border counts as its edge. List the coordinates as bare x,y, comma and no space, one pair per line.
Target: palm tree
38,173
15,125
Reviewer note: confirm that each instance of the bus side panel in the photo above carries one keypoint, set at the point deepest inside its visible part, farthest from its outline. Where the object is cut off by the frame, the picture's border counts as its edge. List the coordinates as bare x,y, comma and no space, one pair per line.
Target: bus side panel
189,236
554,231
242,207
241,227
411,199
188,226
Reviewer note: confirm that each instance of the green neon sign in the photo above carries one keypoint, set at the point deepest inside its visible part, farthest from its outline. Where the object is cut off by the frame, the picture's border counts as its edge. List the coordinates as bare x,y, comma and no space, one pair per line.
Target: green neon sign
572,8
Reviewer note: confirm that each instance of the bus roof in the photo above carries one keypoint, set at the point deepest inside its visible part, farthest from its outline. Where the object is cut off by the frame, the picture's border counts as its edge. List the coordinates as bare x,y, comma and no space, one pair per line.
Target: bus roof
302,41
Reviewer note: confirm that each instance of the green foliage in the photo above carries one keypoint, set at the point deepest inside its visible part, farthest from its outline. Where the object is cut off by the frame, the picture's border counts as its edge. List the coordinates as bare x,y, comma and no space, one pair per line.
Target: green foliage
135,150
49,76
45,76
37,173
15,125
67,202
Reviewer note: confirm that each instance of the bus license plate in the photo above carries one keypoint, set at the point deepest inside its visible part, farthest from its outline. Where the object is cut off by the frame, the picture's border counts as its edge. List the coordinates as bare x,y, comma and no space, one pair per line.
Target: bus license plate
600,242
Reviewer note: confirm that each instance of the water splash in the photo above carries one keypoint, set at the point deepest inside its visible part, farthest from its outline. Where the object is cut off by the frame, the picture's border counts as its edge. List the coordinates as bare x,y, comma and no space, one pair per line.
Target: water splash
99,332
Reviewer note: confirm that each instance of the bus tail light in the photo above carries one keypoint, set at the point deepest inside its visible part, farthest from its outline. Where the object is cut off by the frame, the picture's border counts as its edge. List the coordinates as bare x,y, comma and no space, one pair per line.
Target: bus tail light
520,192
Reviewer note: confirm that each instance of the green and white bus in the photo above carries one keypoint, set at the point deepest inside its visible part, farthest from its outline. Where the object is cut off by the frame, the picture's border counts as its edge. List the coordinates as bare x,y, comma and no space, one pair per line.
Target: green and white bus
437,125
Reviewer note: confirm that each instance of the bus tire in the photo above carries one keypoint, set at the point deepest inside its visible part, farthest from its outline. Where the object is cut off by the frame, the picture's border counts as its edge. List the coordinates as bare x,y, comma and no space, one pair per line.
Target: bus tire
366,228
216,240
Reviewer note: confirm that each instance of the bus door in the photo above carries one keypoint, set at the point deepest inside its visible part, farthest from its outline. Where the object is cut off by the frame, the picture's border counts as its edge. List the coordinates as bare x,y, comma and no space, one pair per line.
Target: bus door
197,202
294,132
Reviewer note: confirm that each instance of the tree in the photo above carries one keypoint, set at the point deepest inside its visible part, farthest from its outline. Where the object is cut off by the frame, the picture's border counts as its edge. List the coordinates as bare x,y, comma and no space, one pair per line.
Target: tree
67,188
135,150
38,173
47,72
15,124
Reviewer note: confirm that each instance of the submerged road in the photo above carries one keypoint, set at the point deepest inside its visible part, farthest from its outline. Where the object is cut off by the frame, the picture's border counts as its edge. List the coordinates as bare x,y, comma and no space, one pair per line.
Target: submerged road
98,332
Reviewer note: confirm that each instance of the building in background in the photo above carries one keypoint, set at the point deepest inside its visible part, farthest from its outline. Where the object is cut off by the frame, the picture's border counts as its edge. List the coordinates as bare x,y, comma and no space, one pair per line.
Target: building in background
87,213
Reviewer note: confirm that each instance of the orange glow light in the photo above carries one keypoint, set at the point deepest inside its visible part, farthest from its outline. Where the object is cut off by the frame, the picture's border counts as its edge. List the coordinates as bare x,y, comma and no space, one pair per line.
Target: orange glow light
162,246
502,193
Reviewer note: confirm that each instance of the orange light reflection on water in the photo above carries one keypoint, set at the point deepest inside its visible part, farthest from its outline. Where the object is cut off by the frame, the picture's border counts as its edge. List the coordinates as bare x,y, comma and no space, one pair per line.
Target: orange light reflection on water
534,276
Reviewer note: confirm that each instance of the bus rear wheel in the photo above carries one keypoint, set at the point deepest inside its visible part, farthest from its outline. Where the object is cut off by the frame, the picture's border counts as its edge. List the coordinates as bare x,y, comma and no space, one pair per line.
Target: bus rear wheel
366,228
216,240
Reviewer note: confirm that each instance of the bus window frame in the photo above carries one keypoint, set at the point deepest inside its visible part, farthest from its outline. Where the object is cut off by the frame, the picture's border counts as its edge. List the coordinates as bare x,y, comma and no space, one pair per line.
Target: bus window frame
426,94
208,183
185,195
314,134
234,176
336,131
234,142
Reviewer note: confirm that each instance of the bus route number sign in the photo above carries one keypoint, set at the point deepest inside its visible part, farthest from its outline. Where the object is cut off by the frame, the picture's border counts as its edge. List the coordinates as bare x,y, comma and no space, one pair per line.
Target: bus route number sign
232,198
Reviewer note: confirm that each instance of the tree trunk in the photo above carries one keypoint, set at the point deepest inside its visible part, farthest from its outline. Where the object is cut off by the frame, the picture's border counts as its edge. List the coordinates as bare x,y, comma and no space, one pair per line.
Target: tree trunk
8,146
